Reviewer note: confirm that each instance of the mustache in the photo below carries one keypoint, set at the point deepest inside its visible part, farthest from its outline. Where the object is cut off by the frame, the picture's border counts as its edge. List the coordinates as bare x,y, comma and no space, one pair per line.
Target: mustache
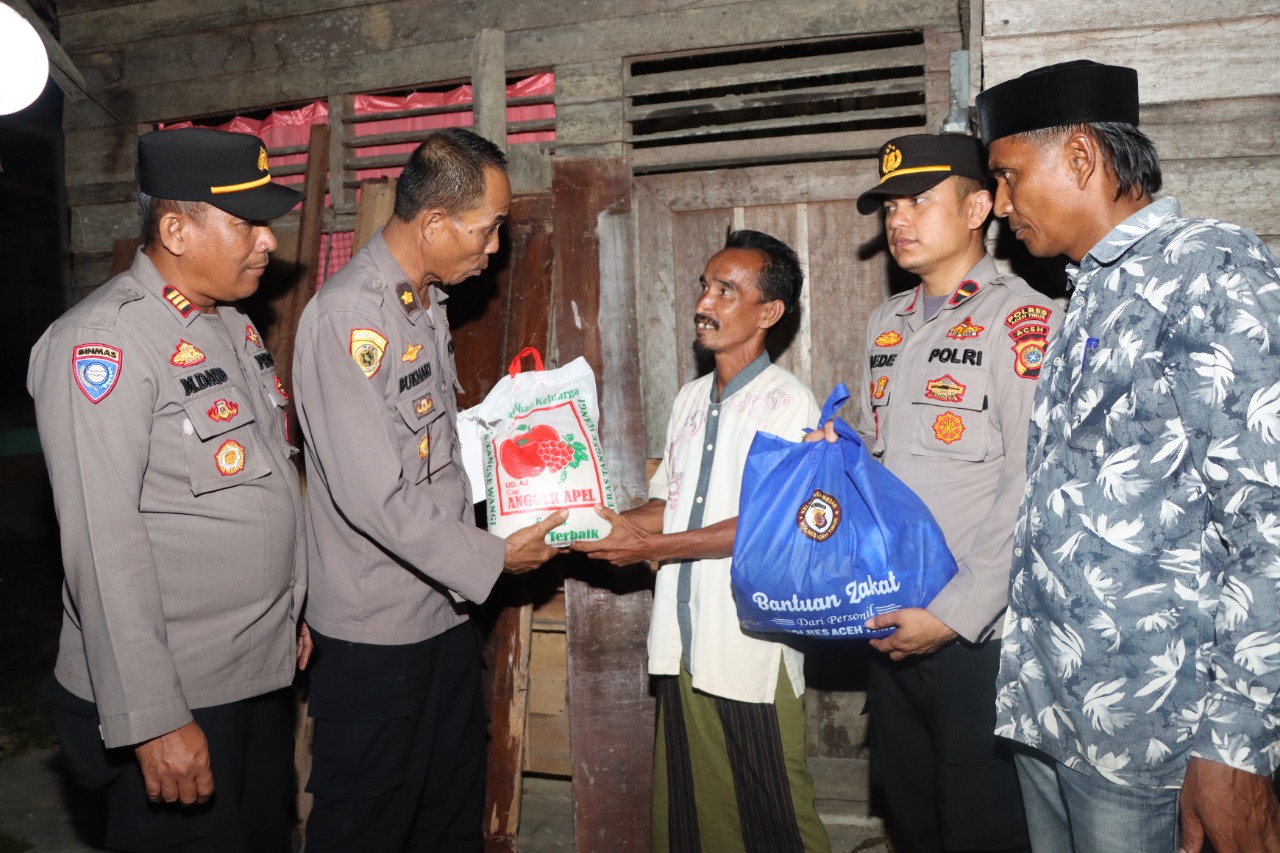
704,318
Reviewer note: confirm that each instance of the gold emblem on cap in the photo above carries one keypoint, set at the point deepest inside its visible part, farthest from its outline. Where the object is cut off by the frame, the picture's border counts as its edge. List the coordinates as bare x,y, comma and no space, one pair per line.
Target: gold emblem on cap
263,163
891,160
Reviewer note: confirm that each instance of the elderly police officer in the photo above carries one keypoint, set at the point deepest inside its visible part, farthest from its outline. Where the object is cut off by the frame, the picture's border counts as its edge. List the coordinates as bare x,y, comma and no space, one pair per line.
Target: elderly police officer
162,424
398,760
950,370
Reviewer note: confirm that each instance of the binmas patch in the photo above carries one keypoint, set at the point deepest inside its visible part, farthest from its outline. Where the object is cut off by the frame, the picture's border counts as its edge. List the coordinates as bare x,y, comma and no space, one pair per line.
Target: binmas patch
948,427
965,330
888,339
96,368
186,355
230,458
367,348
946,389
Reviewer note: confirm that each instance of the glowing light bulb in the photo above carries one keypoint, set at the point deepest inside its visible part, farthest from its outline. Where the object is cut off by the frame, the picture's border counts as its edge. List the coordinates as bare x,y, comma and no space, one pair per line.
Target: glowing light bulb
24,64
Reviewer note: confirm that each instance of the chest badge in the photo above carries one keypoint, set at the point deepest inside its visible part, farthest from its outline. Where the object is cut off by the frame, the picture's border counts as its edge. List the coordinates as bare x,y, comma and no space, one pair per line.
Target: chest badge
411,352
819,516
280,388
223,410
946,389
367,349
948,427
251,335
878,387
96,368
230,458
965,331
424,406
888,339
424,447
186,355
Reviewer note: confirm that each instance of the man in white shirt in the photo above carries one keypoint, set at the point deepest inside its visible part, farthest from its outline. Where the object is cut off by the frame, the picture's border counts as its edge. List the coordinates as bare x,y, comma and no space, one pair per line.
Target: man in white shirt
730,770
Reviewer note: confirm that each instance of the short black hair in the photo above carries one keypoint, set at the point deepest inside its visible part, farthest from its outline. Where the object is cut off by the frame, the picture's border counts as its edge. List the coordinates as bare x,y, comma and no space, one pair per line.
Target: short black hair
446,171
1131,155
781,277
151,210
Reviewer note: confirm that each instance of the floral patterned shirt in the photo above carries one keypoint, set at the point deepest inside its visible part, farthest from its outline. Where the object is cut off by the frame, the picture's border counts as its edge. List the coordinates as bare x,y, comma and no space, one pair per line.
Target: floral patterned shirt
1144,611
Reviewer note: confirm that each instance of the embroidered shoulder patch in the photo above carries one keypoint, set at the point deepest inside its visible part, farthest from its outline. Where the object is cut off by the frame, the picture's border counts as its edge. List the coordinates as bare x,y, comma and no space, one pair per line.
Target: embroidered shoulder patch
948,427
96,368
230,458
1028,352
1028,312
251,335
965,330
888,339
946,389
175,298
367,348
186,355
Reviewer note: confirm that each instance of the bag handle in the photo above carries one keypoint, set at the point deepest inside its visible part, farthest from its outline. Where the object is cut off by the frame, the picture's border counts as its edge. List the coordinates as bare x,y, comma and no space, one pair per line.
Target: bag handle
838,397
514,367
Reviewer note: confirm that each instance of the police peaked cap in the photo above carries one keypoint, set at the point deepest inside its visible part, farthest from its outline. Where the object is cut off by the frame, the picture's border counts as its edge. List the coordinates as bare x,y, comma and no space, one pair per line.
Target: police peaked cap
909,165
227,170
1076,92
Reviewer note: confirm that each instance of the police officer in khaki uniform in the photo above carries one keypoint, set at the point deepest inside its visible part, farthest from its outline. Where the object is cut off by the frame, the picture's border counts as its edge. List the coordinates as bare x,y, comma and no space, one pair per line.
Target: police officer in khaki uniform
398,758
162,423
949,377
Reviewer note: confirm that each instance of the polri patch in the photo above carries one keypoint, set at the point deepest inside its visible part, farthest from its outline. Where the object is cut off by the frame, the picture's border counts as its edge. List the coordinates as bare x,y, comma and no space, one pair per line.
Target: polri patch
967,288
411,352
251,335
946,389
888,339
1027,312
230,458
223,410
1028,353
175,298
819,516
965,330
367,349
948,427
186,355
96,368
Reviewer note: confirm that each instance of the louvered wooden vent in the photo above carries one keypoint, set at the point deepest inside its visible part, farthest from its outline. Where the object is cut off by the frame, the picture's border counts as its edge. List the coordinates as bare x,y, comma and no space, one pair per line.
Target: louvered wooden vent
774,103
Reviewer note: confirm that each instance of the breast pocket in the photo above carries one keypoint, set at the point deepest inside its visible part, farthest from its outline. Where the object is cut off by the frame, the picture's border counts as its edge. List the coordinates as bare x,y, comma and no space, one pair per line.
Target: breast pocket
430,447
951,417
221,449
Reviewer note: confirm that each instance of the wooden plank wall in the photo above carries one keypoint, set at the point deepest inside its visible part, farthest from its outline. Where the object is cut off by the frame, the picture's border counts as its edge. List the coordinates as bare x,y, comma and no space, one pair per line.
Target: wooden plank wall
1208,79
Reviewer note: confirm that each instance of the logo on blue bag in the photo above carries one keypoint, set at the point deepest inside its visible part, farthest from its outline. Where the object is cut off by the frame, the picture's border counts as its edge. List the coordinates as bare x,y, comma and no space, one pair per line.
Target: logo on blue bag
819,517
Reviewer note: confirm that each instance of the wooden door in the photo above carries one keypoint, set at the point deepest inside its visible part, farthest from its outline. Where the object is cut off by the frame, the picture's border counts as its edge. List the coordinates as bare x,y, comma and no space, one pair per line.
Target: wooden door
681,220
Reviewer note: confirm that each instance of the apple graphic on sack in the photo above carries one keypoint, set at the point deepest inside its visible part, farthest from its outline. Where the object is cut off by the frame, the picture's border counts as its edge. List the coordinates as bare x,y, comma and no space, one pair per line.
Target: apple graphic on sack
521,457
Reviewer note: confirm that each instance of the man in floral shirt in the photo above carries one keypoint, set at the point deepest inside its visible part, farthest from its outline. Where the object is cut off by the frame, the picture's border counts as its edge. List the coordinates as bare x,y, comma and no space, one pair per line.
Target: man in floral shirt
1142,646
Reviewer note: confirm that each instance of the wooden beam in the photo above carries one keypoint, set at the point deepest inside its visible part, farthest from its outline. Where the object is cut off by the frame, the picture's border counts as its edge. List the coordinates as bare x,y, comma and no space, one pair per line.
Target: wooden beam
1018,17
611,713
377,201
489,86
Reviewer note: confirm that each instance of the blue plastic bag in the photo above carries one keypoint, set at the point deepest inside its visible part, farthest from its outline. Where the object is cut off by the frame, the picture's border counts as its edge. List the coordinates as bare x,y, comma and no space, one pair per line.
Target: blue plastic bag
828,537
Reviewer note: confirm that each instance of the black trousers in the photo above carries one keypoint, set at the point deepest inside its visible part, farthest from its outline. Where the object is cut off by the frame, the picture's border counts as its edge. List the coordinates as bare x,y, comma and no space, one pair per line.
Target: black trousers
398,761
949,782
251,757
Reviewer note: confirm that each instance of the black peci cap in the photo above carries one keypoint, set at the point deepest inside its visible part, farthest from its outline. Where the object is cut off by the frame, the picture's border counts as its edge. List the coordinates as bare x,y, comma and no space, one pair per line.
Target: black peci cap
228,170
1076,92
909,165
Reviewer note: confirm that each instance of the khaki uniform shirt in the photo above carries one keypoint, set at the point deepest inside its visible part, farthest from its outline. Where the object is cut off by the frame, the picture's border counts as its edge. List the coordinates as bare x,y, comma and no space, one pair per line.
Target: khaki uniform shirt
945,407
392,528
181,519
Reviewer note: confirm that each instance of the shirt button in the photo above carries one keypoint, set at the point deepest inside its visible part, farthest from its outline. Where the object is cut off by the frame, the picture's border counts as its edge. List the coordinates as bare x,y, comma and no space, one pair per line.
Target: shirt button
711,447
1017,552
698,499
1079,300
1058,361
715,413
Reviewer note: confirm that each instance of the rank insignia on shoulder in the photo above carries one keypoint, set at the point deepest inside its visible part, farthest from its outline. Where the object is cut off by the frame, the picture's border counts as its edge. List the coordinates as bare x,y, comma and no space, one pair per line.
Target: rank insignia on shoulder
1028,312
96,368
424,406
230,458
367,348
223,410
1028,352
965,330
888,339
948,427
251,335
405,293
946,389
967,288
411,352
175,298
280,388
186,355
424,447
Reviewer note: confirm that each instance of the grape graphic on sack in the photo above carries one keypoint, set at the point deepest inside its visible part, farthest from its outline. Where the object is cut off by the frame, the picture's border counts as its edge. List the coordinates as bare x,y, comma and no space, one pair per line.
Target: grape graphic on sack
541,449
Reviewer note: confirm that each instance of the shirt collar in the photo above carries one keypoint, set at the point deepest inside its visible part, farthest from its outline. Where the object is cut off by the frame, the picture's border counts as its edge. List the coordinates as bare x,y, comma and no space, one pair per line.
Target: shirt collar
1121,238
742,377
974,280
176,303
395,280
